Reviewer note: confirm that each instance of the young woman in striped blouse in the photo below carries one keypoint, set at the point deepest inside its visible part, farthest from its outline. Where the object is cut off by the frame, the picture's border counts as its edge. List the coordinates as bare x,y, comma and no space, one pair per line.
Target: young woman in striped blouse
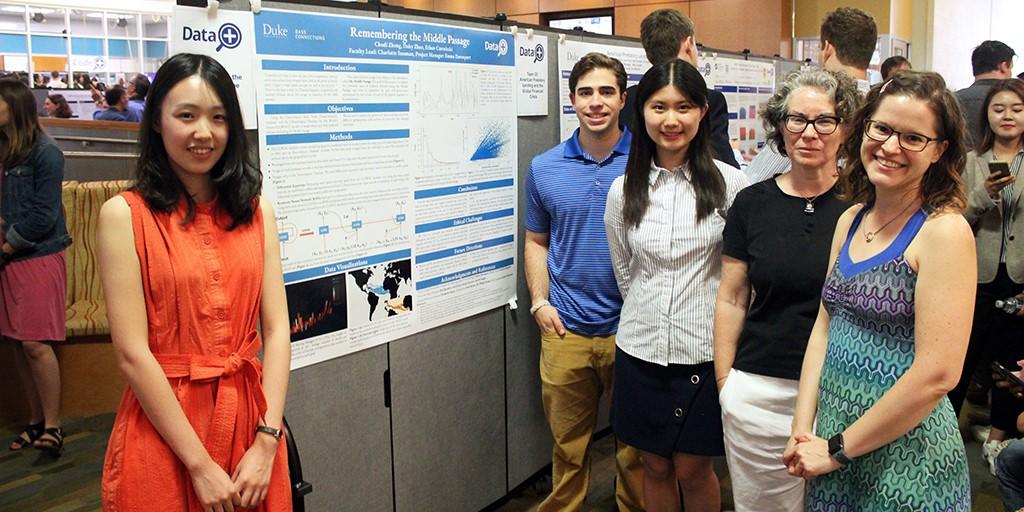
664,219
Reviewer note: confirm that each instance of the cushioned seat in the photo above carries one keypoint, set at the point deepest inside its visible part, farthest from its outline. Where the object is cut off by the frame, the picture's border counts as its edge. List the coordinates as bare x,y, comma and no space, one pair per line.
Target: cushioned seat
86,310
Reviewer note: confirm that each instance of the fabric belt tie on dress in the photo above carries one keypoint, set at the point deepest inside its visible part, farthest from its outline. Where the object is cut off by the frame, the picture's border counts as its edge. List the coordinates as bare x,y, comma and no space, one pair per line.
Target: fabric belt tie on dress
199,367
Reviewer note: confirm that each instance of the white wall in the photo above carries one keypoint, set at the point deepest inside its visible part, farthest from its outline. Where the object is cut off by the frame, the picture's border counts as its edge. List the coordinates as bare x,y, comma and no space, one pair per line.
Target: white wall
147,6
957,26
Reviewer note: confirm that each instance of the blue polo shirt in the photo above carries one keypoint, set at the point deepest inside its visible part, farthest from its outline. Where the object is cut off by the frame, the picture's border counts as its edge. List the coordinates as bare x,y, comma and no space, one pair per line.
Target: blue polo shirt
566,190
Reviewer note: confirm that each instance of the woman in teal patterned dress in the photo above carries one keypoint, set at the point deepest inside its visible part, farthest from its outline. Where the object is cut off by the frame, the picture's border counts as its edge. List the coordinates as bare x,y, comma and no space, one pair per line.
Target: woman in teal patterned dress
873,429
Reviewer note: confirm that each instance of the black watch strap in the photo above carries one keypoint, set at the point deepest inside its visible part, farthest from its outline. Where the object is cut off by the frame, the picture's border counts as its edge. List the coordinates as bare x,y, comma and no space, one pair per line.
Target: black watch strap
836,449
276,433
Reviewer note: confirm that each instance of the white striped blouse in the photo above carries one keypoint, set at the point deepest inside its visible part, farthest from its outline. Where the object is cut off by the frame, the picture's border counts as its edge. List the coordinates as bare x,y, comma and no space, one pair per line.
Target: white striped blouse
668,268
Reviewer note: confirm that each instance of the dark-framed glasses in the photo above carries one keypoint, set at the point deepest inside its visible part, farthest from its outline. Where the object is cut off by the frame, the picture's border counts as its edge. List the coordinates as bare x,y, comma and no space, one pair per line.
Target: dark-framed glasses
881,132
824,125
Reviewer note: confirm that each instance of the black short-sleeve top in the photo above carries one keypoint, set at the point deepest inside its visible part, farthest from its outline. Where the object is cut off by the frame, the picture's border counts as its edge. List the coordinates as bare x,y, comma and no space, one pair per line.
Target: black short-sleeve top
787,251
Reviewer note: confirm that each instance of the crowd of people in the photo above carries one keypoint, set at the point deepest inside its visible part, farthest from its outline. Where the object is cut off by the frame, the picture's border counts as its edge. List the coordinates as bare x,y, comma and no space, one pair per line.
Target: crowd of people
819,318
809,318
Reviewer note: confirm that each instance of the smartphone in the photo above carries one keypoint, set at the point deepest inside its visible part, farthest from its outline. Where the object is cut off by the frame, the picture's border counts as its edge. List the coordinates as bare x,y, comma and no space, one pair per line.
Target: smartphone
1000,168
1007,374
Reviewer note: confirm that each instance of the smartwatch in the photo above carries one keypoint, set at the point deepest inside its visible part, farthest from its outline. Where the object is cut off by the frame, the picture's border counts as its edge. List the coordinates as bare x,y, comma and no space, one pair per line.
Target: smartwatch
835,449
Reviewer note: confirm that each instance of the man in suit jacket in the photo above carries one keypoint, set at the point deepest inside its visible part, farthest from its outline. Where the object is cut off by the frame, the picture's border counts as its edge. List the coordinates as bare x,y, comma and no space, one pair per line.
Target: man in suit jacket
668,34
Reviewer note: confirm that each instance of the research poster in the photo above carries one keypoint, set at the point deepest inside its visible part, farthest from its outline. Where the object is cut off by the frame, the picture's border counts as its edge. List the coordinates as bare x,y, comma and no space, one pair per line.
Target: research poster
226,36
747,86
532,74
389,151
569,52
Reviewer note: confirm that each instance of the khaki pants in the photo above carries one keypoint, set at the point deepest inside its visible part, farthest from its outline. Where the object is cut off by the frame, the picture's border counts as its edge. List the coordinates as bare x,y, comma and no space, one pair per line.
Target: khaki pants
575,371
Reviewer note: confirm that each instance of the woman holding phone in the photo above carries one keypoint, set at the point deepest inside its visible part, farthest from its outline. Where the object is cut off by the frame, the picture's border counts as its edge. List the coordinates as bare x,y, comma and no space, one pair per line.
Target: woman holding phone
993,208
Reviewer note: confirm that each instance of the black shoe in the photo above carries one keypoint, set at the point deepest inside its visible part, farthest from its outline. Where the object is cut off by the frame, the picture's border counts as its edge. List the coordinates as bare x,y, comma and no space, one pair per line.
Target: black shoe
28,436
51,442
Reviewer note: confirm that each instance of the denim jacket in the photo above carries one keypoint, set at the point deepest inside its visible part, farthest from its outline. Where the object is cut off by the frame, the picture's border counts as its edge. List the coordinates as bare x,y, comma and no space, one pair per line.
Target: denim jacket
31,213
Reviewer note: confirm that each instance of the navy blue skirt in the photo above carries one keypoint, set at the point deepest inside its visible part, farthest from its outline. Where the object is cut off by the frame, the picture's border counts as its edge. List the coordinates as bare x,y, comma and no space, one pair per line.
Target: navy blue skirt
666,409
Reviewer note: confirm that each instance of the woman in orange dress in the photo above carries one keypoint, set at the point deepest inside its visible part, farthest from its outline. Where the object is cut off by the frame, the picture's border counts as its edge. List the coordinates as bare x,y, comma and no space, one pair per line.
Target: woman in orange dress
189,261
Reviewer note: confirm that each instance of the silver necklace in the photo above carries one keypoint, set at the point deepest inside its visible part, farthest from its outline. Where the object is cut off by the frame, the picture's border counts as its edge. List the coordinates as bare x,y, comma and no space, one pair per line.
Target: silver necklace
870,235
809,207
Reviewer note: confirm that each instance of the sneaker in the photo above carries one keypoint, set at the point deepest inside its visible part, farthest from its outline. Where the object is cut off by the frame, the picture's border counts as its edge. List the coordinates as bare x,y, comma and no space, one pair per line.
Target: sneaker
990,450
980,433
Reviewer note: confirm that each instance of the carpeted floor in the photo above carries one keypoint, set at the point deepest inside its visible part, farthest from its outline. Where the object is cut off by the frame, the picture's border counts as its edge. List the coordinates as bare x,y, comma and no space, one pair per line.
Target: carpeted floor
32,482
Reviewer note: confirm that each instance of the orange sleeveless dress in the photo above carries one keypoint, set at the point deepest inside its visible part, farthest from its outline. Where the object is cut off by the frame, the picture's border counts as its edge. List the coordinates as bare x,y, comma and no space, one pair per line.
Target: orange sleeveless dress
202,285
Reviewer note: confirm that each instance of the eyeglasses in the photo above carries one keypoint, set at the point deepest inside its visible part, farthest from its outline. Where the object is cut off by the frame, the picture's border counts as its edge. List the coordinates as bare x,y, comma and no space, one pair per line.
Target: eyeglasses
881,132
825,125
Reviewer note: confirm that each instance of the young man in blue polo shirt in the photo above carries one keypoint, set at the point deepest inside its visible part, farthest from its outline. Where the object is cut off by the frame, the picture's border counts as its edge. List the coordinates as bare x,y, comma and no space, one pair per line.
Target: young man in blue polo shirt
575,300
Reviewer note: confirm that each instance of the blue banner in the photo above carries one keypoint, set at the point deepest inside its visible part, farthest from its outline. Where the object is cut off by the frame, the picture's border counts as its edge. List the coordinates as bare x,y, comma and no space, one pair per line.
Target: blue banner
455,276
332,67
462,221
341,266
335,108
462,189
463,249
311,138
317,35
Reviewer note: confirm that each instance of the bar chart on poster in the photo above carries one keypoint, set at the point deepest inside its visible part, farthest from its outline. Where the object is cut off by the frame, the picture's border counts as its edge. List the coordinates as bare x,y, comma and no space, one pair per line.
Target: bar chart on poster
388,150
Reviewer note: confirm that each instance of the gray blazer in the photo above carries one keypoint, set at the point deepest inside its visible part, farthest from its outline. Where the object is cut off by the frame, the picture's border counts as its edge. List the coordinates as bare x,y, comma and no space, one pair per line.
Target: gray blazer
985,216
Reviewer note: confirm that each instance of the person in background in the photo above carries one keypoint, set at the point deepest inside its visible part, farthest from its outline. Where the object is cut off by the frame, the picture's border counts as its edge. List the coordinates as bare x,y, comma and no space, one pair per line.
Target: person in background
33,278
1008,466
993,207
991,61
116,100
55,81
848,39
873,429
138,88
668,34
189,260
575,301
776,247
56,106
894,64
81,81
664,220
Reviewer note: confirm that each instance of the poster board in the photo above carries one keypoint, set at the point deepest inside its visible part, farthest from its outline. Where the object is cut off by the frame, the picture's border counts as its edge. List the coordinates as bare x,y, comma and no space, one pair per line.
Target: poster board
388,149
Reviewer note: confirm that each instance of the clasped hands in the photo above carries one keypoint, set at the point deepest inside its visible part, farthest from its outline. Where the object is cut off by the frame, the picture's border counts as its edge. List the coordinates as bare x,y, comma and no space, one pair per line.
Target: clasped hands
807,456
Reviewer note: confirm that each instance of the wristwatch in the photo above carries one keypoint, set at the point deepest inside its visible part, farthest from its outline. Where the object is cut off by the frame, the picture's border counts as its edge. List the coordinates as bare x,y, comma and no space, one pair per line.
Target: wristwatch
276,433
537,305
835,449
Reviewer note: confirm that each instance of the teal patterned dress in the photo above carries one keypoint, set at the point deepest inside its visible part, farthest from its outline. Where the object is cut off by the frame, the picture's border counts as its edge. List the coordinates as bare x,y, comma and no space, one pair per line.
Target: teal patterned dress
870,345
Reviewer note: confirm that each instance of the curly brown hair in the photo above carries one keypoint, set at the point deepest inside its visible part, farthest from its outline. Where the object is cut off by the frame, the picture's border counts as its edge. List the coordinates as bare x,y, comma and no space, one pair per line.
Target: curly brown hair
942,187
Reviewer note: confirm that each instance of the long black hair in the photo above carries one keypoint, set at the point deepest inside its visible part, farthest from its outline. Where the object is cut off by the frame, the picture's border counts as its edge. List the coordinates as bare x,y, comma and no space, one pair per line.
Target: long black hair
236,178
708,184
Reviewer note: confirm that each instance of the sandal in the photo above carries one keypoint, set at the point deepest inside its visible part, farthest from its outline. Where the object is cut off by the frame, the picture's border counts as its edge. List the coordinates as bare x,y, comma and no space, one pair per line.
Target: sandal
52,445
27,437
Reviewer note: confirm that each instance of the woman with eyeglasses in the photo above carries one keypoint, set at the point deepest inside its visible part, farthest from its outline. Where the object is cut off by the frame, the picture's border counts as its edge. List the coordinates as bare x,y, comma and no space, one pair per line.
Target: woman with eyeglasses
775,253
873,429
993,206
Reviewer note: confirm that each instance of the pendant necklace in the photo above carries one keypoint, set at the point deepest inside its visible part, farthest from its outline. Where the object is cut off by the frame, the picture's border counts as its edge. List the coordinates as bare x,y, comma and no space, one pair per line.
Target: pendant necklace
809,207
870,235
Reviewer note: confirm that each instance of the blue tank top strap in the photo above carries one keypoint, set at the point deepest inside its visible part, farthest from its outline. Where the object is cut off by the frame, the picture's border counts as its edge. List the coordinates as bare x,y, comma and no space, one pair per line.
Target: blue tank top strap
909,231
895,249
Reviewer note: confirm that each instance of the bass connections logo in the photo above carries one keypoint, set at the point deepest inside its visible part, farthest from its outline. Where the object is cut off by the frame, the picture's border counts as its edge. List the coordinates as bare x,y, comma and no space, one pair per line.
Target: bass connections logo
227,36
